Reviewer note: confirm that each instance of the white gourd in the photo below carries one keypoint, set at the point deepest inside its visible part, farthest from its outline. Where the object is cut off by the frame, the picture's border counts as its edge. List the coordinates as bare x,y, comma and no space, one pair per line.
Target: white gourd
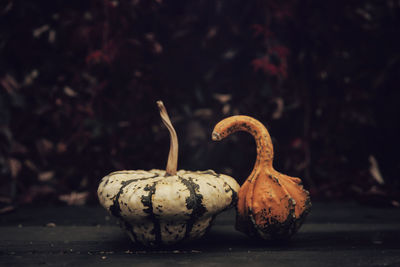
160,207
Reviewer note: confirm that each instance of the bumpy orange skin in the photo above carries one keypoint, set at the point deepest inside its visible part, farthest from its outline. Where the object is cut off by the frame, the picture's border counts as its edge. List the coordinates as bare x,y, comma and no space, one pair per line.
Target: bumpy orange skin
271,205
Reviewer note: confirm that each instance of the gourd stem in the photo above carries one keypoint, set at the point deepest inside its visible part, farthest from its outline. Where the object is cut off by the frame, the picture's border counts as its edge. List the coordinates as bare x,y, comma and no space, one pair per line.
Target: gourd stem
265,152
172,163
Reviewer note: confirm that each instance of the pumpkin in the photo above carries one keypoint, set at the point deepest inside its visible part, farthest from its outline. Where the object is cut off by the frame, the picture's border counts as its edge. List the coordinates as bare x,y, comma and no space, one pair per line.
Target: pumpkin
271,205
160,207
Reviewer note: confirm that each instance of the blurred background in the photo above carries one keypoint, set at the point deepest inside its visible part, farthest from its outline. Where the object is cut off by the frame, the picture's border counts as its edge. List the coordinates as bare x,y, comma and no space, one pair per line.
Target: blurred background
79,81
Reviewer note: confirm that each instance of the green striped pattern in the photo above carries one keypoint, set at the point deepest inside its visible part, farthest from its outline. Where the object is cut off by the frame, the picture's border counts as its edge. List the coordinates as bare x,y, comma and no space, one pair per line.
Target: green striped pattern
157,210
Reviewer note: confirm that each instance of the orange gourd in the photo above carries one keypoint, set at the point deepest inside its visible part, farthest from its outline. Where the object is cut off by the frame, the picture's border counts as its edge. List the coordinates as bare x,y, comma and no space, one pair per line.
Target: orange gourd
271,205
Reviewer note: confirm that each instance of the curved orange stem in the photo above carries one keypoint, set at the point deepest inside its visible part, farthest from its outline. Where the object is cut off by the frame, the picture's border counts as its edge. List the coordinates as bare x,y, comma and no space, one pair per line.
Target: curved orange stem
265,150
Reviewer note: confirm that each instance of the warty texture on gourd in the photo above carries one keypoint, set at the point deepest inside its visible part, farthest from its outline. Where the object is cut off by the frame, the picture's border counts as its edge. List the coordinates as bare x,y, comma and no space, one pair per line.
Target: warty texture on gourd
271,205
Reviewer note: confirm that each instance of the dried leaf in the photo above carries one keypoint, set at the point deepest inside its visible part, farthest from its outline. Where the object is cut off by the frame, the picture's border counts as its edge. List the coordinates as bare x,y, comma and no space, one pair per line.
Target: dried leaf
28,163
69,92
395,203
44,146
223,98
229,54
226,109
52,36
28,80
74,198
61,147
39,31
51,225
157,48
374,170
7,209
46,176
9,83
150,36
15,167
279,108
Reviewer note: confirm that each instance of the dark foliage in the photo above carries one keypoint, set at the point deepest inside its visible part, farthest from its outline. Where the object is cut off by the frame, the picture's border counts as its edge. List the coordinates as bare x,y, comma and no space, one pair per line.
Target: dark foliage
79,81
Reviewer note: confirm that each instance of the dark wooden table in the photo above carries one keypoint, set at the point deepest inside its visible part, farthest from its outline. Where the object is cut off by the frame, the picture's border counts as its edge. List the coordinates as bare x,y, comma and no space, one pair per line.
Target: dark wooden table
335,234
